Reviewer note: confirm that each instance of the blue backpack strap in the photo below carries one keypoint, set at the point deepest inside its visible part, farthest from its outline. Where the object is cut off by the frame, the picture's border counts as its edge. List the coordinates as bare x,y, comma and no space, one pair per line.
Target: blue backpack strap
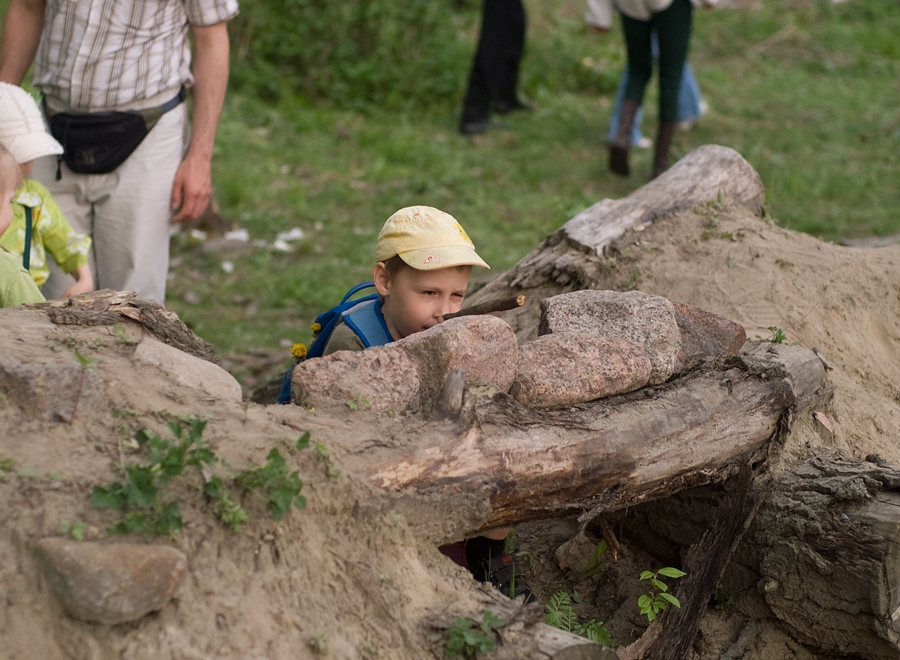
367,322
284,396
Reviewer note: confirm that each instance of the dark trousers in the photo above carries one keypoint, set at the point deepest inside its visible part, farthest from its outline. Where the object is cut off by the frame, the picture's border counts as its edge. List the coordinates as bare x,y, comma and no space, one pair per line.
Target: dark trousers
495,72
673,26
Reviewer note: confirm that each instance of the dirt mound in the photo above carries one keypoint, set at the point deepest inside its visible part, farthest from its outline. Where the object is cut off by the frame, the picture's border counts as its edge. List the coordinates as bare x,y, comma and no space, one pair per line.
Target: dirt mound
842,301
349,577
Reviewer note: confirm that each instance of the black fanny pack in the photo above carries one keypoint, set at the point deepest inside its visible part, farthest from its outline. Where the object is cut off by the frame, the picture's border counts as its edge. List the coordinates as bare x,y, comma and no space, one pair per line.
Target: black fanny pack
98,142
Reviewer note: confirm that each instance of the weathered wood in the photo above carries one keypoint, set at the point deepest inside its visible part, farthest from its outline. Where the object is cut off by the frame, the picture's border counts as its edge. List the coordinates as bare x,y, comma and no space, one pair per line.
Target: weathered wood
108,307
574,256
449,400
489,307
828,543
673,633
609,454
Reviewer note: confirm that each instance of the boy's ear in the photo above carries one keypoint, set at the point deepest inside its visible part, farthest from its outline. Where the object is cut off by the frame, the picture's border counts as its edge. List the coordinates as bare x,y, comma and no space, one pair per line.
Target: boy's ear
381,278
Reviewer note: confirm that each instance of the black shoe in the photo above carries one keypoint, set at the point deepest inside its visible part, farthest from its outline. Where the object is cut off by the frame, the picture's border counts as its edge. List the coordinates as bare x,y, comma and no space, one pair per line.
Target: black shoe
475,127
505,107
618,160
504,573
480,126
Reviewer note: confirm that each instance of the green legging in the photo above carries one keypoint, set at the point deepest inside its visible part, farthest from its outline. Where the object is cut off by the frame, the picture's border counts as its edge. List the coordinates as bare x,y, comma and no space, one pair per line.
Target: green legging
673,27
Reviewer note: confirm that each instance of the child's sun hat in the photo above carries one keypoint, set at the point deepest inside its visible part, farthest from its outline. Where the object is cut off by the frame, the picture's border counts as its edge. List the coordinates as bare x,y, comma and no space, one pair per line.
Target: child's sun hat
22,129
426,238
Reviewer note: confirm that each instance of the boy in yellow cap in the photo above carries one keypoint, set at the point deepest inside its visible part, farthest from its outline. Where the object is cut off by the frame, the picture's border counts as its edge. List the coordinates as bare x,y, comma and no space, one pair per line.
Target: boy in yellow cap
423,261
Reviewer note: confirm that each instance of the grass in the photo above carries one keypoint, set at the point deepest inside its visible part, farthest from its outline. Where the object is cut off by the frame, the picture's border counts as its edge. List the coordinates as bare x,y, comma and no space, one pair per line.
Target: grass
806,90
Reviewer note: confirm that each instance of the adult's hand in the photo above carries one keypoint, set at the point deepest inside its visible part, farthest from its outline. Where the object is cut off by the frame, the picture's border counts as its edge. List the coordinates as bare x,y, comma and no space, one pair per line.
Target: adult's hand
193,180
192,188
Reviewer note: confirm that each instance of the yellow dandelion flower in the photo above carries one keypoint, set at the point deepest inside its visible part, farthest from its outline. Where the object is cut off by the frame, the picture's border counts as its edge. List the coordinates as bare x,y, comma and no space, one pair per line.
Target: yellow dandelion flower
298,351
316,328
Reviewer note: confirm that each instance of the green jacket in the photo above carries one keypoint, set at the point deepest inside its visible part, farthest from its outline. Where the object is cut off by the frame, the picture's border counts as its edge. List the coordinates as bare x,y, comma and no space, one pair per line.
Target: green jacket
16,285
51,233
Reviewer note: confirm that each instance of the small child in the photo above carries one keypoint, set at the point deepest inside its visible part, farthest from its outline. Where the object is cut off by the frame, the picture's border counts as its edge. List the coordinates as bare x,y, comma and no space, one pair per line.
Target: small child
424,258
22,132
16,285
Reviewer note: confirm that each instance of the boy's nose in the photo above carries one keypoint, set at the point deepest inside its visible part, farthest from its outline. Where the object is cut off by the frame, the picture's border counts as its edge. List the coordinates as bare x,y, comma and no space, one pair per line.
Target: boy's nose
445,308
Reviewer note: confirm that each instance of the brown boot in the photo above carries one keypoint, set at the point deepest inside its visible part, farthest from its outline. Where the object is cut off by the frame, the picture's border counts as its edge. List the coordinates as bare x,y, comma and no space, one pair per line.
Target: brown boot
618,148
663,141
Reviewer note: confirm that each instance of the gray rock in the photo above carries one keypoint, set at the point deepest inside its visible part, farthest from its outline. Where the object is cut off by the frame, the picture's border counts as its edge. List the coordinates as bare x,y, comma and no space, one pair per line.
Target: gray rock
705,333
646,320
52,391
483,346
574,367
110,583
188,370
409,373
381,378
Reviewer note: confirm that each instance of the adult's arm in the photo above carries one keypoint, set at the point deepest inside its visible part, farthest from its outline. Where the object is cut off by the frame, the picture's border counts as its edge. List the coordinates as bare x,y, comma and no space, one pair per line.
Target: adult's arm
193,180
19,39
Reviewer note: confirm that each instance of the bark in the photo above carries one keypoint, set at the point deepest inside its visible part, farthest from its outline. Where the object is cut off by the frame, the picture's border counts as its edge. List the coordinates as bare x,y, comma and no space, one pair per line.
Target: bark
673,633
109,307
610,453
827,540
574,256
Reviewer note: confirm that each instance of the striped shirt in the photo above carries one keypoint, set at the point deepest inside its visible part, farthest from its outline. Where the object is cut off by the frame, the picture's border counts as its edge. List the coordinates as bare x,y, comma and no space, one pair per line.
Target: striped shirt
99,55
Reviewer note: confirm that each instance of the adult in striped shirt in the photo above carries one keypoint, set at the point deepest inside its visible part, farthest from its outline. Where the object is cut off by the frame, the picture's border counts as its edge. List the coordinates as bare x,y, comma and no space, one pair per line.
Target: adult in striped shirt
96,56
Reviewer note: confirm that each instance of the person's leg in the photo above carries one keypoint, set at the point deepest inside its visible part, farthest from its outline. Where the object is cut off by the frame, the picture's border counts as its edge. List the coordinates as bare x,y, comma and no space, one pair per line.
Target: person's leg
636,136
674,29
640,56
640,67
131,225
690,106
506,94
483,77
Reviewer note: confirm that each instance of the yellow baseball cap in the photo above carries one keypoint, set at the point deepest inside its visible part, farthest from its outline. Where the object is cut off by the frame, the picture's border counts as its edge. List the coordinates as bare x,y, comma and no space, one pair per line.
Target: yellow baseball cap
426,239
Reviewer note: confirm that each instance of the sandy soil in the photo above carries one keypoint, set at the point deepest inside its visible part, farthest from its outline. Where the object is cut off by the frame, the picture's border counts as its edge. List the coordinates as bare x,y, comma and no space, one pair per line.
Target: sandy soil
349,577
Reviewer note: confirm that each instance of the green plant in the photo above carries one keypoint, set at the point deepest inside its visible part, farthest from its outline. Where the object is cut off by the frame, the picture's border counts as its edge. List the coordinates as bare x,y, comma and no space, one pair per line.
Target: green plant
120,332
317,643
658,597
282,489
596,563
358,402
142,497
76,529
558,612
466,636
777,336
6,466
722,600
145,499
632,283
86,363
324,456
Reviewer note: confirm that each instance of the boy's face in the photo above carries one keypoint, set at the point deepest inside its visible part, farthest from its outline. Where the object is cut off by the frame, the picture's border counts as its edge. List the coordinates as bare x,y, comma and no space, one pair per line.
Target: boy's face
415,300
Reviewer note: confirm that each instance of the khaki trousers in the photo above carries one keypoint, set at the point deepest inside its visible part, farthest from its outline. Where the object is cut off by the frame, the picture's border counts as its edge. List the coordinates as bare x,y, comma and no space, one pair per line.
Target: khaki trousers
127,212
